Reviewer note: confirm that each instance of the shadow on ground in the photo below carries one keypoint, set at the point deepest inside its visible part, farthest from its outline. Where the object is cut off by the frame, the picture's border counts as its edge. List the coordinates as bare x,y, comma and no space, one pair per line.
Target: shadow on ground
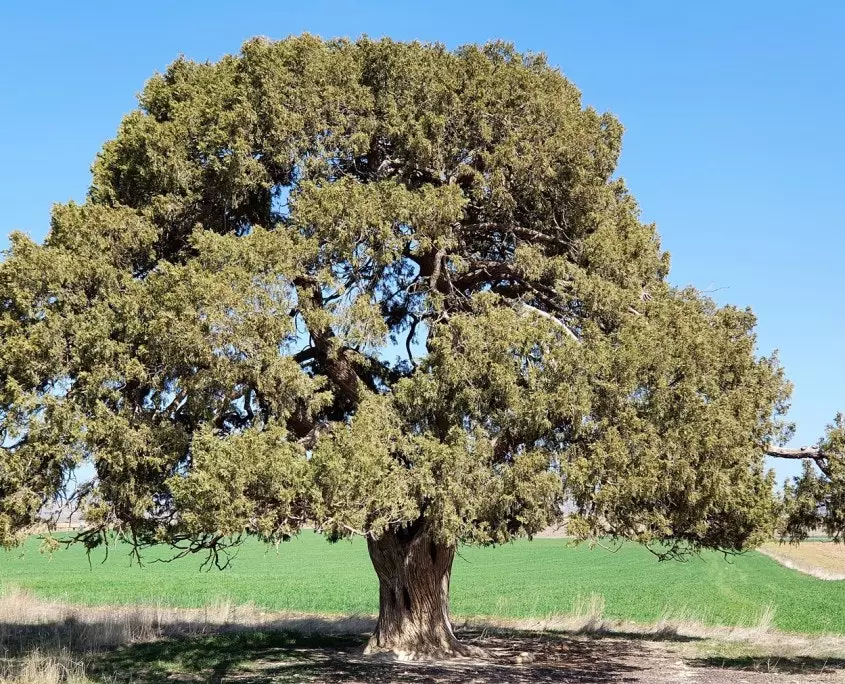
796,665
263,657
315,650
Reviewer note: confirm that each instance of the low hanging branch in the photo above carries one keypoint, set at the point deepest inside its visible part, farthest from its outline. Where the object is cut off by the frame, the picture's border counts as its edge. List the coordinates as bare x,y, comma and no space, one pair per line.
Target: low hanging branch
815,454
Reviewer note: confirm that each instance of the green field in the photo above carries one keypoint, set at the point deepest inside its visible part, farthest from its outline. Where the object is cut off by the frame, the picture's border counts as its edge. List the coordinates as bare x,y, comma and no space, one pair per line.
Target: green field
541,578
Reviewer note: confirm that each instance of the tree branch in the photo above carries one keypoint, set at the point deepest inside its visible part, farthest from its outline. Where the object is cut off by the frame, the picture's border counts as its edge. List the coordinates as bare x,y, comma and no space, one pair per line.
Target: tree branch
553,319
310,439
519,231
801,454
410,338
435,271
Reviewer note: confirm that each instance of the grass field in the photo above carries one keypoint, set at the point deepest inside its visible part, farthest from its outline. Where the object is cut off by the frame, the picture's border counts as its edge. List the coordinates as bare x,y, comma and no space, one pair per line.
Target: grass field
822,559
526,579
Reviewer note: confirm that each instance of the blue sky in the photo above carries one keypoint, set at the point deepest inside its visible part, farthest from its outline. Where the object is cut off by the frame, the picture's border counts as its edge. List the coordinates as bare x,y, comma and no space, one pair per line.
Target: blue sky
733,112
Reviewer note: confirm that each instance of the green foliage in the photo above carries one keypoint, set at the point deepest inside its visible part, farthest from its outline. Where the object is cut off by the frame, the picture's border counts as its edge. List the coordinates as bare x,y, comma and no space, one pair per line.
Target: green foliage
815,501
212,328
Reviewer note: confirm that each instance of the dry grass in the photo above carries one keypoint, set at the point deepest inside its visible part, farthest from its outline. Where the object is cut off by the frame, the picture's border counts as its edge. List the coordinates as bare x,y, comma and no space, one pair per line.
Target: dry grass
48,642
39,667
824,560
44,642
587,618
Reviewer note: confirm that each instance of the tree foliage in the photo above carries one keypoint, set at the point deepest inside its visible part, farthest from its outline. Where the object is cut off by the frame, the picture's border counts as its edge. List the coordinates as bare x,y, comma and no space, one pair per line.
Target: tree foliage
368,285
814,502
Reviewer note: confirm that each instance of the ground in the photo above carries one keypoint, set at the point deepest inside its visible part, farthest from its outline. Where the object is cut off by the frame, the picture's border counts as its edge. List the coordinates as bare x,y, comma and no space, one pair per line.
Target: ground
514,657
56,642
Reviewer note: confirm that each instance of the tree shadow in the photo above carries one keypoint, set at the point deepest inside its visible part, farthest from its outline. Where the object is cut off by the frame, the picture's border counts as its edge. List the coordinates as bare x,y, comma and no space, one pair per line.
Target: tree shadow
211,658
669,634
312,649
264,657
772,664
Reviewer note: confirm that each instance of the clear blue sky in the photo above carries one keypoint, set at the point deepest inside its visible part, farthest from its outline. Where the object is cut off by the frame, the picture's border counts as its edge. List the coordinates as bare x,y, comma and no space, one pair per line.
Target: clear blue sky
733,111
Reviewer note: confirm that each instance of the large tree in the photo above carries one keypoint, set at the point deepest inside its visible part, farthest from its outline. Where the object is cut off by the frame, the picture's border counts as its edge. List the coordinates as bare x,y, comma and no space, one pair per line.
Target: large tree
387,290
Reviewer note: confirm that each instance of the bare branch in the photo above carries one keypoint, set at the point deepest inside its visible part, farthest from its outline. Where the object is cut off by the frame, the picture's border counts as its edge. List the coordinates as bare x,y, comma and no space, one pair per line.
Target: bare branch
554,319
435,271
519,231
801,454
410,338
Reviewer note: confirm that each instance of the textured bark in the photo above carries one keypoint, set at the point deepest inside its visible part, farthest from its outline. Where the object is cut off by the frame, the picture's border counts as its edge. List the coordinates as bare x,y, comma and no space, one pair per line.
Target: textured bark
414,573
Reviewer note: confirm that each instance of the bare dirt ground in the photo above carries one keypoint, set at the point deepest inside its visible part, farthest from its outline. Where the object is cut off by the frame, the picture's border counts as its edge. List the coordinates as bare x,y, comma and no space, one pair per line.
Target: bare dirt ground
48,643
821,559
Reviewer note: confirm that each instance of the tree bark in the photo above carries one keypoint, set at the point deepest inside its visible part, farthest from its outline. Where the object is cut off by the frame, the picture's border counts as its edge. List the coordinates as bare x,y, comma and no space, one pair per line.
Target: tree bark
414,573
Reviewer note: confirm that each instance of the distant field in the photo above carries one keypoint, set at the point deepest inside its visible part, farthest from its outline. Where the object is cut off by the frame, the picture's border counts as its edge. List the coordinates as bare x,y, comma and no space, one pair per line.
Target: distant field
525,579
822,559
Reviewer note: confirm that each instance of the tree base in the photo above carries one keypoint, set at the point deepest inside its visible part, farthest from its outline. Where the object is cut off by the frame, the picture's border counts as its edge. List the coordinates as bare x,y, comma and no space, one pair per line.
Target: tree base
413,622
414,647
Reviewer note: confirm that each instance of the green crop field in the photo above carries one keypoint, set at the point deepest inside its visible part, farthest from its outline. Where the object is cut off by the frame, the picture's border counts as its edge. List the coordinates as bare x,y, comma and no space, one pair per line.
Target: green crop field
525,579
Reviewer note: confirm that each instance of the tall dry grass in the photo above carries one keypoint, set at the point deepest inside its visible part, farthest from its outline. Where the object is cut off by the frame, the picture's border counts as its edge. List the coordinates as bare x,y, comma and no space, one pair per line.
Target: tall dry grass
48,642
39,667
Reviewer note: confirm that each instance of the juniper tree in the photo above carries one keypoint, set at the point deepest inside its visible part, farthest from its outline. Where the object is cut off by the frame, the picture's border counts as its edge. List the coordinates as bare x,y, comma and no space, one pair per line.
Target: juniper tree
387,290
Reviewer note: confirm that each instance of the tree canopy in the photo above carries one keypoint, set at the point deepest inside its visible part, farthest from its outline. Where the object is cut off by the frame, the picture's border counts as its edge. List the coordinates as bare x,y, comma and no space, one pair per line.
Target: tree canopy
384,289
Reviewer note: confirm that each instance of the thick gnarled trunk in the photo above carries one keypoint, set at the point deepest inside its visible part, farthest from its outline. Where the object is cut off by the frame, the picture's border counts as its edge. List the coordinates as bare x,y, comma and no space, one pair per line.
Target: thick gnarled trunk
414,573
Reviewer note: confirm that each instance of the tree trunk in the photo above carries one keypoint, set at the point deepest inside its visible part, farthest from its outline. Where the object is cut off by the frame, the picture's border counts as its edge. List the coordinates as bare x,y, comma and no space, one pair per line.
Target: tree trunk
414,572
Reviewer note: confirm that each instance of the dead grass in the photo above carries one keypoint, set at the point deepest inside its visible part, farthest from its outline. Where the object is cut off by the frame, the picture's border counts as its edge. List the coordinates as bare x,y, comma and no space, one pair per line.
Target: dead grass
44,642
821,559
48,642
38,667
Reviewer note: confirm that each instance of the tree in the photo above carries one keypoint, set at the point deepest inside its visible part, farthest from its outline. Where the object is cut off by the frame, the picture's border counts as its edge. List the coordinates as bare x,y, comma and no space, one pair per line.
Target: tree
384,289
815,501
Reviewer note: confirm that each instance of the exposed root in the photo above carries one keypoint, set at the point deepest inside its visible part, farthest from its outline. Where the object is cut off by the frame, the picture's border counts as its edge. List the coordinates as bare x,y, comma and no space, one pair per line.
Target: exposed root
415,651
